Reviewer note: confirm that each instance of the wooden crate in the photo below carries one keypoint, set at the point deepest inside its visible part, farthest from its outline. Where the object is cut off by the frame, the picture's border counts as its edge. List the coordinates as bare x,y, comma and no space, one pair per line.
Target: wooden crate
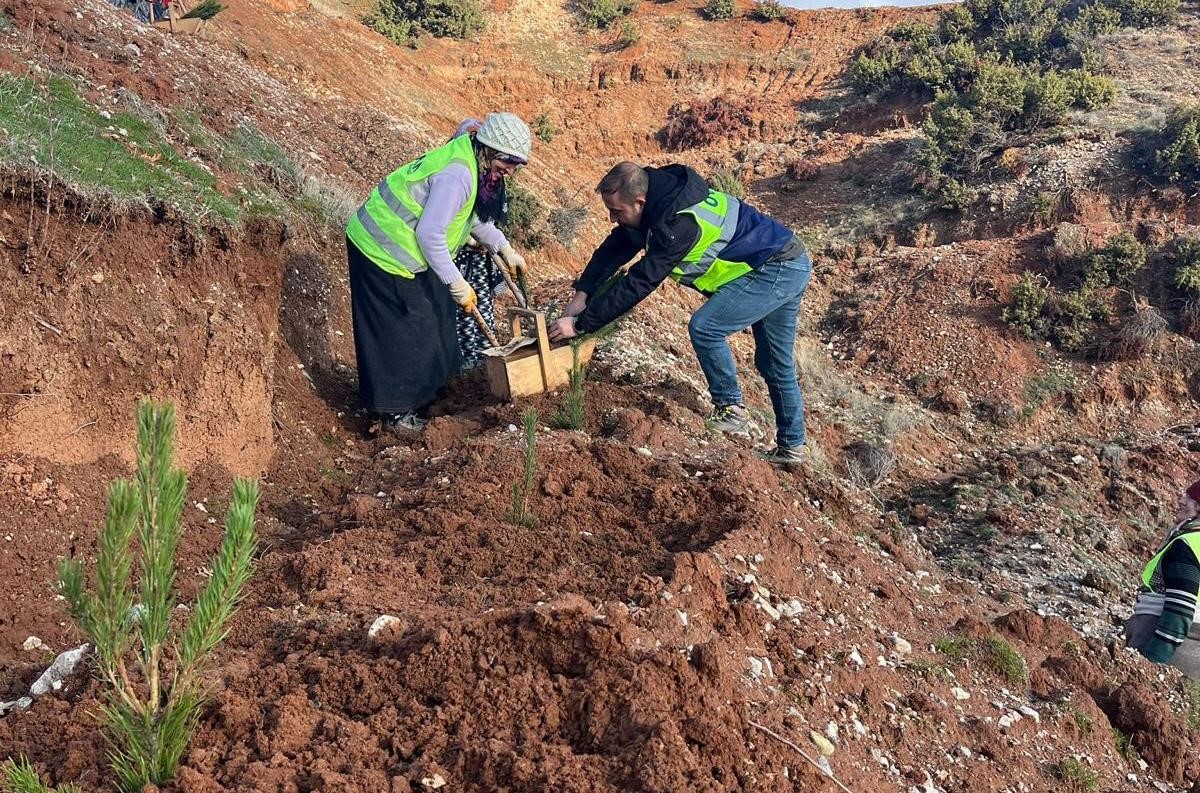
531,365
175,21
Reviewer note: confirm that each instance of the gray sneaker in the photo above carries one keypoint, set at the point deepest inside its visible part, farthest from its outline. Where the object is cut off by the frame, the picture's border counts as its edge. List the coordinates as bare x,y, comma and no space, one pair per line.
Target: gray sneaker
729,419
785,456
404,422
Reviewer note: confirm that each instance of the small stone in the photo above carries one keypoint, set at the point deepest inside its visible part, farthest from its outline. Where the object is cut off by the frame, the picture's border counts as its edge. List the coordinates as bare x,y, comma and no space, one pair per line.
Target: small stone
97,278
856,658
755,666
433,782
381,622
34,643
961,694
1008,720
966,752
791,609
822,743
765,605
1077,459
59,670
643,451
831,731
683,617
1031,713
901,645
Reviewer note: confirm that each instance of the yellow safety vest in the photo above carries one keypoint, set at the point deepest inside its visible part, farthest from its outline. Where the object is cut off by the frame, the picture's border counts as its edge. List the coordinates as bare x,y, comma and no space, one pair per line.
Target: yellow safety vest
384,228
703,268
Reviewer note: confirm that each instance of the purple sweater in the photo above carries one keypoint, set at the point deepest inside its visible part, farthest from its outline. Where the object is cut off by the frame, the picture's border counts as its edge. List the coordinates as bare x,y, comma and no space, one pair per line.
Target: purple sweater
443,195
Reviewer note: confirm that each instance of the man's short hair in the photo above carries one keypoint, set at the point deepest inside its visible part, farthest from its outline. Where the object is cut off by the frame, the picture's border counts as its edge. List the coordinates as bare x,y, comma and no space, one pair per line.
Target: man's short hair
627,180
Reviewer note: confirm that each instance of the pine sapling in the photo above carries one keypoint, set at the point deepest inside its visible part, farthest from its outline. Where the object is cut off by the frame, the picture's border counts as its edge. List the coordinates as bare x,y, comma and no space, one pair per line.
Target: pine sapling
19,776
155,693
520,514
570,415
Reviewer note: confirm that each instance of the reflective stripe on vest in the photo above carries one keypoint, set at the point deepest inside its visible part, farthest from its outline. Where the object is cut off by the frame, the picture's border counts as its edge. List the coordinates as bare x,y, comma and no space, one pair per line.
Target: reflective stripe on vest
703,268
384,227
1190,534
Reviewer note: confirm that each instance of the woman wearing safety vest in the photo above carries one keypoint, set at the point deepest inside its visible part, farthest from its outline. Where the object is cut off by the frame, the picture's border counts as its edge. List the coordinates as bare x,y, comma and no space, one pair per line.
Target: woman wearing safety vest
404,284
1163,626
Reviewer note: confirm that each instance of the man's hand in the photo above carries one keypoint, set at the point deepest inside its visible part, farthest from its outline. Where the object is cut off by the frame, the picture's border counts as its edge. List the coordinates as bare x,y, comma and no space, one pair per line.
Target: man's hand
577,305
513,261
563,329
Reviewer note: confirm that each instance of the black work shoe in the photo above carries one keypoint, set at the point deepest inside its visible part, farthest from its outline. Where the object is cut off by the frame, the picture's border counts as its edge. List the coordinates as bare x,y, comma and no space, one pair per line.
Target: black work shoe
729,419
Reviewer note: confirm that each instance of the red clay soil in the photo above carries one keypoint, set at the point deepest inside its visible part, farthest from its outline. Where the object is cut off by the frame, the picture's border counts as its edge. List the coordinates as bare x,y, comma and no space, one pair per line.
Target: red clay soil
674,591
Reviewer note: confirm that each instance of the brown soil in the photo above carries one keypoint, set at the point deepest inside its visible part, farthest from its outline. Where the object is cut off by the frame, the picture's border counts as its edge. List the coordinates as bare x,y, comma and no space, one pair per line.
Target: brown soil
675,591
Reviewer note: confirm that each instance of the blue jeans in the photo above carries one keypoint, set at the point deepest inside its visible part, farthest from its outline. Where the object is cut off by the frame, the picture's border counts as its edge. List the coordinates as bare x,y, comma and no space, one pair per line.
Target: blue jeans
767,301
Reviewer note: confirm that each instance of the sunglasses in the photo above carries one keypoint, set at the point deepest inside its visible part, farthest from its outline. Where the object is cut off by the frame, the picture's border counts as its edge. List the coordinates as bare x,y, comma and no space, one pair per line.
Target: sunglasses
510,159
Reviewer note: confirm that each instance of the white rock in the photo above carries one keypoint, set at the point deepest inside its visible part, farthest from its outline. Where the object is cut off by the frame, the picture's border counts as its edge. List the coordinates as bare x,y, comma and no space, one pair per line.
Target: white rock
34,643
756,667
1077,459
381,622
966,752
960,694
823,764
763,604
1031,713
856,658
1008,720
901,645
63,666
831,730
791,609
433,782
17,704
642,450
683,617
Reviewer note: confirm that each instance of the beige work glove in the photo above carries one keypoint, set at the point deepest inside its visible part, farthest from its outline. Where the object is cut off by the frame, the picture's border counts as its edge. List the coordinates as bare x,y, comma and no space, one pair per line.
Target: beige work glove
513,261
464,295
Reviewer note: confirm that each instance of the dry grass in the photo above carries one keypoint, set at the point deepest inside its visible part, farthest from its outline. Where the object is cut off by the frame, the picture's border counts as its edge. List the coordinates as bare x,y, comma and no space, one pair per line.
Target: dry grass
1136,337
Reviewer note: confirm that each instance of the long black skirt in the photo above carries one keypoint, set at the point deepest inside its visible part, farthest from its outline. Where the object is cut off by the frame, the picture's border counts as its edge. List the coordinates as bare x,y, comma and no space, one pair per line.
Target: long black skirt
404,336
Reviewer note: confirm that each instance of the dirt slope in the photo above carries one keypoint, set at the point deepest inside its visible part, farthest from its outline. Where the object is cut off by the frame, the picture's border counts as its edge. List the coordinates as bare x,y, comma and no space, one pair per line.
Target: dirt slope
949,624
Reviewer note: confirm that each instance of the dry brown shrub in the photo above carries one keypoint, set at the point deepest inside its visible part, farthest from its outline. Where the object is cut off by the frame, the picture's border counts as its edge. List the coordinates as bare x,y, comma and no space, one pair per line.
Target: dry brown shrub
868,464
706,121
1189,320
1136,336
803,171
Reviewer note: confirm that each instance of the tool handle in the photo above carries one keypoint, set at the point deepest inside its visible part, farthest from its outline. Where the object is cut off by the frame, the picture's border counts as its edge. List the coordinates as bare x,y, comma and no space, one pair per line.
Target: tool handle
519,294
491,337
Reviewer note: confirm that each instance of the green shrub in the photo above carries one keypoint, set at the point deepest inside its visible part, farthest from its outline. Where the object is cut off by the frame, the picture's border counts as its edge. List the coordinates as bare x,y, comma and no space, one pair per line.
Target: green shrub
1117,262
601,14
1177,158
1006,661
957,24
1186,254
955,648
725,180
768,11
525,214
1146,13
629,35
1089,91
1096,19
1027,306
954,196
871,73
718,9
1074,317
1076,774
402,20
543,127
156,692
1047,99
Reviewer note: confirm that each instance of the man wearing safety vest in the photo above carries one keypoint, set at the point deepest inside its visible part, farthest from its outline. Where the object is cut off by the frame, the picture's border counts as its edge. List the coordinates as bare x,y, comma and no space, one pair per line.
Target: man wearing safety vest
404,284
1163,626
752,269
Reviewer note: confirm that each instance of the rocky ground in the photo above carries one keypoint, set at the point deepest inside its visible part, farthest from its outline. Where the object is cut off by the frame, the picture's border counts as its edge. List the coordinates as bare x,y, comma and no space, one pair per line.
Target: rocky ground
931,603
